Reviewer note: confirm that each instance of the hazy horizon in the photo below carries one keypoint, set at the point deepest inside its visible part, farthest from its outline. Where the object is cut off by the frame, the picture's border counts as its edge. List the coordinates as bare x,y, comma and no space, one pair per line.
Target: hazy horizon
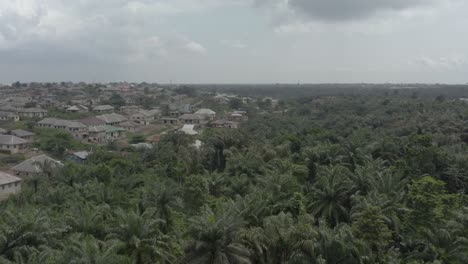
234,41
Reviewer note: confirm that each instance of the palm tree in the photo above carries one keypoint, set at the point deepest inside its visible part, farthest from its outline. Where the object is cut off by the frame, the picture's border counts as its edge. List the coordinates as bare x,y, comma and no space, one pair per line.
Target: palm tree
281,239
215,240
330,194
164,199
140,237
86,249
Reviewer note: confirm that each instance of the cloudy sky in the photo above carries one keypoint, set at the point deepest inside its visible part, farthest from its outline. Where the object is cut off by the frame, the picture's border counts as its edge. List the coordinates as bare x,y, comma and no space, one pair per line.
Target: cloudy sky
234,41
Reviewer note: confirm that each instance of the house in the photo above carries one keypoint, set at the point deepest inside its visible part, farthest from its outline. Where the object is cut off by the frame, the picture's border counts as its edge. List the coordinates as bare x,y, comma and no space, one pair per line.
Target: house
13,144
224,124
77,109
191,119
170,121
113,133
113,119
130,109
92,121
103,108
130,126
78,157
9,185
96,134
22,134
6,116
31,112
189,130
238,116
73,127
142,117
207,113
176,110
36,166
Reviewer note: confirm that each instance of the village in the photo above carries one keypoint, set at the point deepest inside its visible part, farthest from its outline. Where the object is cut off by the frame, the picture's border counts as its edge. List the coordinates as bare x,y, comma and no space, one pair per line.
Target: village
95,115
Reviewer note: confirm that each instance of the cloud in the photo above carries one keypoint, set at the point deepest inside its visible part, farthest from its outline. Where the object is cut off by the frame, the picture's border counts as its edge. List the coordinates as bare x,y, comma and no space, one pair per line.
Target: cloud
344,10
195,47
236,44
338,11
444,62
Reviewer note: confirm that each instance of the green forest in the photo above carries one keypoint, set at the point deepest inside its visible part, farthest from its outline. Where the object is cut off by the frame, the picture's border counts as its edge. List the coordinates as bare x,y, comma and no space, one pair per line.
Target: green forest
374,176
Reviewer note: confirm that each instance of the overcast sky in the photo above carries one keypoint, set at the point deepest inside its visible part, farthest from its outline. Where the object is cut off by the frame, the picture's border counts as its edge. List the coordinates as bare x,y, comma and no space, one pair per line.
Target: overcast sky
234,41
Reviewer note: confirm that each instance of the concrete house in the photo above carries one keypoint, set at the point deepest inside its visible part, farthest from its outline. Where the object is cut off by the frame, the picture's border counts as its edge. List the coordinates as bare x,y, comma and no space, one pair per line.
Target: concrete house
13,144
96,134
130,126
130,109
103,108
22,134
170,121
31,112
142,117
74,127
35,166
224,124
113,119
9,185
77,109
6,116
207,113
191,119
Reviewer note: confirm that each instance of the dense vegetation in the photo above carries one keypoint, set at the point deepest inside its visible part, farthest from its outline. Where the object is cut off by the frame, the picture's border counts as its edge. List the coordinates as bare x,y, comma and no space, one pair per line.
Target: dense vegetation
377,177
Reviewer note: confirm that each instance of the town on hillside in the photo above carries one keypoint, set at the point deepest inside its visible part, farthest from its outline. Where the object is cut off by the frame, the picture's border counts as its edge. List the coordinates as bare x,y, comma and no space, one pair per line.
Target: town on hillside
55,123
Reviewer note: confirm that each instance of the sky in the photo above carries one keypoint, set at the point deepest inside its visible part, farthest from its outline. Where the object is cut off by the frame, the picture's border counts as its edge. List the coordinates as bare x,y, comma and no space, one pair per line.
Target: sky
234,41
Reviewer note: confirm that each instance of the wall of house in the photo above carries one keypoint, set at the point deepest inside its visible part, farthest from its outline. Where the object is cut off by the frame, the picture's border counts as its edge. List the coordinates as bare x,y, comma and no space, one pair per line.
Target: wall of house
8,189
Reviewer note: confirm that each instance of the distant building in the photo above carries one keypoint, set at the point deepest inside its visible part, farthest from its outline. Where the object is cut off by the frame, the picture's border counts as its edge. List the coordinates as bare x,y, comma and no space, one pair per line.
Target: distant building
207,113
224,124
191,119
9,185
130,109
77,109
170,121
130,126
13,144
22,134
74,127
103,108
78,157
36,166
113,119
31,112
9,116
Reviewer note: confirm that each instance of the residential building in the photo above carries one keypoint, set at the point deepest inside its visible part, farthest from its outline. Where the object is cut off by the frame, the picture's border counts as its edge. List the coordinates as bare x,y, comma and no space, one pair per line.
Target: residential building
36,166
74,127
224,124
130,109
130,126
170,121
191,119
9,116
113,119
103,108
77,109
22,134
13,144
31,112
9,185
207,113
142,117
